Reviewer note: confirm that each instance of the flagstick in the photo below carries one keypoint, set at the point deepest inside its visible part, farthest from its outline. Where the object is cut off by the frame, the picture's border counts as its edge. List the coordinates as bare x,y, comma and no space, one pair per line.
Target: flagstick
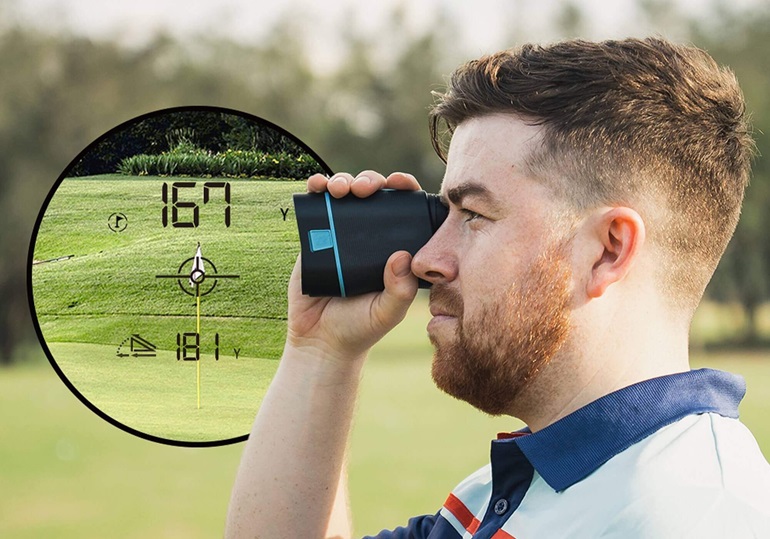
198,332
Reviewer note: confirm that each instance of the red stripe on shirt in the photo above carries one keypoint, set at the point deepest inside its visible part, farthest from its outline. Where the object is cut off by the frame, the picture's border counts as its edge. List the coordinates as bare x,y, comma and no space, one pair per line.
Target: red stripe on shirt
509,435
502,534
462,513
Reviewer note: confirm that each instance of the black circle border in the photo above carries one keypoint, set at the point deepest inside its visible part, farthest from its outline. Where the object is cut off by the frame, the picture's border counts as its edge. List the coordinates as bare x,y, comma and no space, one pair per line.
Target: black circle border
33,241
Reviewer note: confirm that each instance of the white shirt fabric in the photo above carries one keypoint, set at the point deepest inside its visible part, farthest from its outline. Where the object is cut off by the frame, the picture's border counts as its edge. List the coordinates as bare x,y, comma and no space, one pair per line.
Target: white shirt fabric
666,458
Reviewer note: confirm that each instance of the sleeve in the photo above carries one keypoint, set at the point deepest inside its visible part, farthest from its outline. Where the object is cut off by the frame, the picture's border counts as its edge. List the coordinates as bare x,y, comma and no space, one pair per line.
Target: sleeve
416,528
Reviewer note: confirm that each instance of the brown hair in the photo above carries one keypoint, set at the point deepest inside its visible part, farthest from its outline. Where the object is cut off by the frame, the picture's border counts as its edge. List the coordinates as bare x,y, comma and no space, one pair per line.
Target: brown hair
648,123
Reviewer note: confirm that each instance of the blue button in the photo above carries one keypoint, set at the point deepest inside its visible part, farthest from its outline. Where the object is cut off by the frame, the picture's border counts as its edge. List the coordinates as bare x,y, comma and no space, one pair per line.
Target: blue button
501,506
320,240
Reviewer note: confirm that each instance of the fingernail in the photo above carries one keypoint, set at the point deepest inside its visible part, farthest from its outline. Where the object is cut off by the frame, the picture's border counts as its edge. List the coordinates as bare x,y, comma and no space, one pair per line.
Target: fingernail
402,266
363,178
338,179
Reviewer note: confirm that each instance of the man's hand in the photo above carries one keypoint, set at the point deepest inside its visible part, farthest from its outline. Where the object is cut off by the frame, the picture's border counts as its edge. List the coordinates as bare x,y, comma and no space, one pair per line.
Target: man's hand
345,328
296,450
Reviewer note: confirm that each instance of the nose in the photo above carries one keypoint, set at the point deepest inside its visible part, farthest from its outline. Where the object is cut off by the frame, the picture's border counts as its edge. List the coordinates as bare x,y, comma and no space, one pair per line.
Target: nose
436,261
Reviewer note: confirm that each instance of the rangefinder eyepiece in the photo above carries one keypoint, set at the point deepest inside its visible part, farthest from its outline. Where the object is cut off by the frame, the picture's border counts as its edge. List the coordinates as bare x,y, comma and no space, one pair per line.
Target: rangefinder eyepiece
346,242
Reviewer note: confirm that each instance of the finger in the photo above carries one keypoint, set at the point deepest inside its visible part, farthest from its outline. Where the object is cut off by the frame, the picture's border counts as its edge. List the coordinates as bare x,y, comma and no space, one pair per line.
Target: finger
339,184
367,183
402,181
295,280
317,183
400,289
295,286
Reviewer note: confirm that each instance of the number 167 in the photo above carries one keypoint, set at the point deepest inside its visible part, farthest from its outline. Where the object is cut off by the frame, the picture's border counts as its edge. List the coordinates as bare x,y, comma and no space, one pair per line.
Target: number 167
177,205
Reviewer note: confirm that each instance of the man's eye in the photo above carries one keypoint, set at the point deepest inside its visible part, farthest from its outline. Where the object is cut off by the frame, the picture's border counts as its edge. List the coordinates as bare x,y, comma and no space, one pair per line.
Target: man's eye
470,215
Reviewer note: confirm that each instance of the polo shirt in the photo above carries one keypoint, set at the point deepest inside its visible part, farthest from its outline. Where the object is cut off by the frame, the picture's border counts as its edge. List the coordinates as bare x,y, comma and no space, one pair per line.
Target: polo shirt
663,458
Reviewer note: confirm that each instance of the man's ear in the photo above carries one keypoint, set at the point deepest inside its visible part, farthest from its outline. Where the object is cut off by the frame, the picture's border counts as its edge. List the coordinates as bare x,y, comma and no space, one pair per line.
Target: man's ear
621,233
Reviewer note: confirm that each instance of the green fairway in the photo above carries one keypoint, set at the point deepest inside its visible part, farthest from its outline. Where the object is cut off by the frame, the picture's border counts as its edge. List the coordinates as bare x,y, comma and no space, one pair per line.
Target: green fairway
66,473
158,396
114,273
120,323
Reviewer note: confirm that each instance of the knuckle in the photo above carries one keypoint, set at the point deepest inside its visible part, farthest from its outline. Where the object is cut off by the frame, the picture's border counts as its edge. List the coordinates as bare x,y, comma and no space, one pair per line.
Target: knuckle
340,178
373,174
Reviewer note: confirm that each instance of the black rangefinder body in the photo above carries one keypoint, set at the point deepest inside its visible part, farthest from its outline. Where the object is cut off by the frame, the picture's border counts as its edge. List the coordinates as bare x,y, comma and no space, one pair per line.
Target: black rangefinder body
346,242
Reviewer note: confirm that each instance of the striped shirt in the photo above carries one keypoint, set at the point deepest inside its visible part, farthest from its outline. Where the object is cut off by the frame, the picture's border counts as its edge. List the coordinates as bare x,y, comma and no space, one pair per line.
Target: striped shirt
664,458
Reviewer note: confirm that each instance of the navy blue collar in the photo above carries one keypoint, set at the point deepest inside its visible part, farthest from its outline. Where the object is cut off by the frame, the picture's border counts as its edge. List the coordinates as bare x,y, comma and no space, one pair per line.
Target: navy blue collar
575,446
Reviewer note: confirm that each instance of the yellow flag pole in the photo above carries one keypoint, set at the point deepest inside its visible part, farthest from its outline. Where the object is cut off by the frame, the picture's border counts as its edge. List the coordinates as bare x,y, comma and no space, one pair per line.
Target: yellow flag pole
198,335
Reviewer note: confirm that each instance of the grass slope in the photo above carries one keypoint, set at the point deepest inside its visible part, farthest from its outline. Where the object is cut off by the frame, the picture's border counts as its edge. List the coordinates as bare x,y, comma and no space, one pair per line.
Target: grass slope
158,395
114,273
108,291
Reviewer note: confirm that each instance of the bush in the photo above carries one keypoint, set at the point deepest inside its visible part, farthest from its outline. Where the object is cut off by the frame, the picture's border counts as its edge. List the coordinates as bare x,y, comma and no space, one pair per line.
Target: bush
187,160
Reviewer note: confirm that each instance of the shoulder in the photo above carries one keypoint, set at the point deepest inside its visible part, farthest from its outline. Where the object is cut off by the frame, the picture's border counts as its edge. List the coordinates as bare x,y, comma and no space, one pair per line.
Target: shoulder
703,476
701,451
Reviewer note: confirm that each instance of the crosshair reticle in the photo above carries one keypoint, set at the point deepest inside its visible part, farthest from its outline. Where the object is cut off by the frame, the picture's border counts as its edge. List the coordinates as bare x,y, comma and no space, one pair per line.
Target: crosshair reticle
197,275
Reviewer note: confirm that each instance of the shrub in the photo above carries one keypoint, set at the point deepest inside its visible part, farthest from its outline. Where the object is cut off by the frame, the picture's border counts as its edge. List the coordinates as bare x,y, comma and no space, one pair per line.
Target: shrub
187,160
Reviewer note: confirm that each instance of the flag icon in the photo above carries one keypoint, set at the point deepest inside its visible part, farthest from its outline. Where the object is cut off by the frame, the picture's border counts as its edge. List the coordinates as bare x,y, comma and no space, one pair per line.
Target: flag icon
197,273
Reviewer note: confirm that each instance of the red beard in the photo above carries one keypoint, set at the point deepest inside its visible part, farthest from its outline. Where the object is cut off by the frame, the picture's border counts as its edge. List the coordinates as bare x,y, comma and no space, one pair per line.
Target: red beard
498,353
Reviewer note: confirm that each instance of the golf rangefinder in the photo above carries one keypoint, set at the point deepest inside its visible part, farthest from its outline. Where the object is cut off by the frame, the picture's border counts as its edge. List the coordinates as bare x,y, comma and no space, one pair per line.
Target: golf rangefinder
347,241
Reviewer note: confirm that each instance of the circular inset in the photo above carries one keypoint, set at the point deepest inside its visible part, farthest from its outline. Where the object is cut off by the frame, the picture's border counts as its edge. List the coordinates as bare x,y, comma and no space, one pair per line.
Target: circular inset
171,328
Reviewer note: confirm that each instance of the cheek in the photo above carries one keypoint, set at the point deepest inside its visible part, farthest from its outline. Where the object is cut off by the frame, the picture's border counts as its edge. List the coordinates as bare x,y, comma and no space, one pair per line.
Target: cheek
490,264
487,267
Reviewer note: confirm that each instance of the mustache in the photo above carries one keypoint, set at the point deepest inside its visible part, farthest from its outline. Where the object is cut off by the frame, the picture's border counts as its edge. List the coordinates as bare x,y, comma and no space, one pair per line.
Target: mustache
446,300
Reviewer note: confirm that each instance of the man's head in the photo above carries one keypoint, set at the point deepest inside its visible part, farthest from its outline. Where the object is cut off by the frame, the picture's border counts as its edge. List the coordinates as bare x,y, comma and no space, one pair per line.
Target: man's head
645,123
642,143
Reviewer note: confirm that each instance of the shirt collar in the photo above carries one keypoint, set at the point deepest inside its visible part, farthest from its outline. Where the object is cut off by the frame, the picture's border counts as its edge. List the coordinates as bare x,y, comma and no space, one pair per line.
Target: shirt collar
575,446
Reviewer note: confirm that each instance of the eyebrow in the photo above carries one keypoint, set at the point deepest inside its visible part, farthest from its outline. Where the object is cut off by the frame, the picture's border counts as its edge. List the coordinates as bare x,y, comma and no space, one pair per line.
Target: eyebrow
470,189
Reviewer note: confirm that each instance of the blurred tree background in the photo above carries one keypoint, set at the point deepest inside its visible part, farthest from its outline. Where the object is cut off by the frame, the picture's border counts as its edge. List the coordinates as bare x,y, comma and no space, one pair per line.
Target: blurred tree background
60,92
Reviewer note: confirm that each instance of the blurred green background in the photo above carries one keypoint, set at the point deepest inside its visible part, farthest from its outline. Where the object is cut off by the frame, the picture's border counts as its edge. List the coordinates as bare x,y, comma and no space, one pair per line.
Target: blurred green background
361,104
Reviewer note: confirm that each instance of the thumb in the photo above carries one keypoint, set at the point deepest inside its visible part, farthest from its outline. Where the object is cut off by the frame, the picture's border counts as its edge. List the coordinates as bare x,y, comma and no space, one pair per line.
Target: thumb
400,289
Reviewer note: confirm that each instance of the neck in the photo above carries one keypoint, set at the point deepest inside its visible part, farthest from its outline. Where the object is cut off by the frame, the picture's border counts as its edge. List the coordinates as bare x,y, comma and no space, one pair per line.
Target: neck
591,366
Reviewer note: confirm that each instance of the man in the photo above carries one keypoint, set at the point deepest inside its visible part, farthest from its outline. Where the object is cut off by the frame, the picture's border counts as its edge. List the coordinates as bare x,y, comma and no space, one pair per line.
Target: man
592,189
